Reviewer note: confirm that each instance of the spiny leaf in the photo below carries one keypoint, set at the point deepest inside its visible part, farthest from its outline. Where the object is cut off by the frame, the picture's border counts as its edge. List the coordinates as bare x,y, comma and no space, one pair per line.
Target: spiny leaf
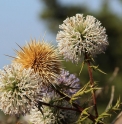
101,117
56,100
107,112
117,105
96,68
82,65
79,93
84,115
86,89
82,119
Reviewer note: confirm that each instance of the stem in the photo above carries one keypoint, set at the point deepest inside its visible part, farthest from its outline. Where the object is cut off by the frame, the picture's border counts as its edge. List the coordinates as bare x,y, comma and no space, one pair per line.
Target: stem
111,98
17,119
56,106
92,84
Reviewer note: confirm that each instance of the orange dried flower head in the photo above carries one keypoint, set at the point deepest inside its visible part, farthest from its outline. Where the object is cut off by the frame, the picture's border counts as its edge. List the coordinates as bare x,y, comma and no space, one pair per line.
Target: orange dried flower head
42,57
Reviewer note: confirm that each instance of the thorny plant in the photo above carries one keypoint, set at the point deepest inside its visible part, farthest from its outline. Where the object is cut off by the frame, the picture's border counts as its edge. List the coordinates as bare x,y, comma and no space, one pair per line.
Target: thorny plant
36,86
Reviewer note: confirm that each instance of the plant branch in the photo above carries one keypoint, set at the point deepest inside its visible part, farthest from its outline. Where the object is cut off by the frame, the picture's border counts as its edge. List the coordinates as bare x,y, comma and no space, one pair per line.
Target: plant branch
92,84
111,98
79,108
55,106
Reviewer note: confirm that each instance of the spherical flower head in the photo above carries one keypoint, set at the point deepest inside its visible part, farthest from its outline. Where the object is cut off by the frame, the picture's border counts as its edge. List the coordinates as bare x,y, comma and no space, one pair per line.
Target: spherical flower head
36,116
18,89
42,57
80,35
69,83
48,117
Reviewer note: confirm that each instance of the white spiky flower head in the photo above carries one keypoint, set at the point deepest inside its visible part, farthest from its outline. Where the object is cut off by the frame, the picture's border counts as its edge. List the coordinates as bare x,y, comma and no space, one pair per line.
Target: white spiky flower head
80,35
18,89
48,117
36,116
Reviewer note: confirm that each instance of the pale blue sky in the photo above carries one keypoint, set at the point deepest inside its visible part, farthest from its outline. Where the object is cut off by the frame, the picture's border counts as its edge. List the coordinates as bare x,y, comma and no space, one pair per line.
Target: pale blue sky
19,22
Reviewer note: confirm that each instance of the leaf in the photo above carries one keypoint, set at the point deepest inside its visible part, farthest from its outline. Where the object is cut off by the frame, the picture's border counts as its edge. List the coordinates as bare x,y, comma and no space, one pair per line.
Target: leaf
107,113
82,65
96,68
79,93
101,117
84,115
84,90
117,105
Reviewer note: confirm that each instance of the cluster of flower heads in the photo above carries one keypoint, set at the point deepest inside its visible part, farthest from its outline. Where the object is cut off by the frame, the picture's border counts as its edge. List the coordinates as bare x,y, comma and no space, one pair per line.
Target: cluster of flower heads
68,82
80,35
18,89
34,68
37,67
69,85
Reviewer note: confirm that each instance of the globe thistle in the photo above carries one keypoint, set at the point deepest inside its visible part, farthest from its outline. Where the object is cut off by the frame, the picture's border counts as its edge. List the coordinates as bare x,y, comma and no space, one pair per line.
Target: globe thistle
42,57
36,116
48,117
69,83
18,89
80,35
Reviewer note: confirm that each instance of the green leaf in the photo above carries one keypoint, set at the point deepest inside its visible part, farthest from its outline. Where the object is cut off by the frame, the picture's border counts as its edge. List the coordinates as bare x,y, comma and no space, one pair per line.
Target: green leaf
101,117
84,115
96,68
82,65
84,90
117,105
